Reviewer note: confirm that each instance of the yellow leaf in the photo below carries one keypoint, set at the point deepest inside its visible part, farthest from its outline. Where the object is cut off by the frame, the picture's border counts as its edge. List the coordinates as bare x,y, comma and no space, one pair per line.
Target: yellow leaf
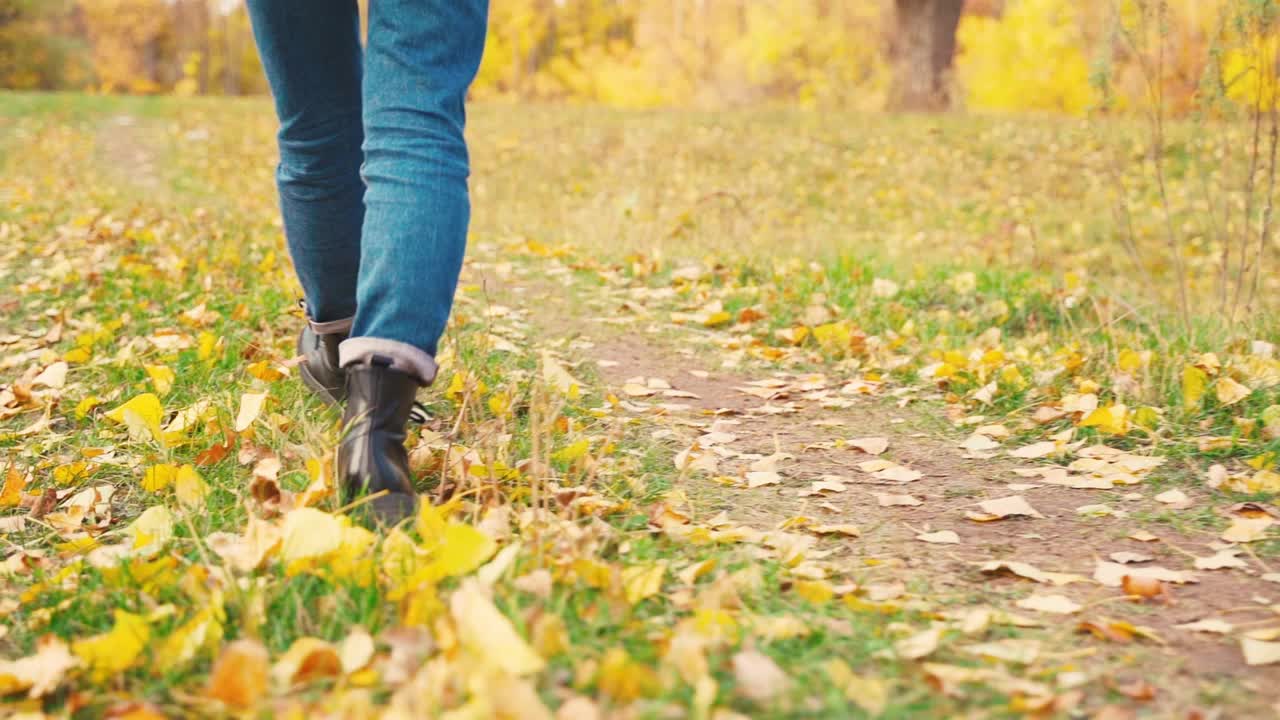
643,581
113,652
488,635
250,408
461,549
815,591
78,355
152,529
141,415
1112,420
189,487
202,633
868,692
72,472
622,678
309,535
85,406
264,372
1194,383
834,337
14,483
162,377
159,477
554,374
206,344
572,452
1230,392
717,319
37,674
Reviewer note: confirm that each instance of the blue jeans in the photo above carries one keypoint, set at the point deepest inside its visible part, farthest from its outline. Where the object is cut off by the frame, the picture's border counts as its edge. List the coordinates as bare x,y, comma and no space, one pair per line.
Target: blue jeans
373,164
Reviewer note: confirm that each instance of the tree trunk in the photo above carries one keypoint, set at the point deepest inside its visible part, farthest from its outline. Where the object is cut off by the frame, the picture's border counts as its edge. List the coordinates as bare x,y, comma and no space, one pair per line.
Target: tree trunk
924,46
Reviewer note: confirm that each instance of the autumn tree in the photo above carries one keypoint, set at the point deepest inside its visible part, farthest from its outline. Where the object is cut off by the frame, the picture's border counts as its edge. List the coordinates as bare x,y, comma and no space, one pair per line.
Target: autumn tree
924,46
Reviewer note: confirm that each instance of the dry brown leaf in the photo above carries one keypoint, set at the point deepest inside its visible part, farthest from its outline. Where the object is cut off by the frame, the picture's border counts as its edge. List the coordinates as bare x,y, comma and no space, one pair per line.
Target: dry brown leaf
250,408
1220,560
1247,529
837,529
758,677
1142,587
1031,572
890,500
1260,652
1000,508
761,478
239,677
898,473
940,537
1057,604
871,445
920,645
38,674
1113,574
307,659
1216,626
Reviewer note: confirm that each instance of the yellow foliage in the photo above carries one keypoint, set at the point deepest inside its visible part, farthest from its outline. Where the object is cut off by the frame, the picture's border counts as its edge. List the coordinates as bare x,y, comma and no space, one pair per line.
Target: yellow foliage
1032,58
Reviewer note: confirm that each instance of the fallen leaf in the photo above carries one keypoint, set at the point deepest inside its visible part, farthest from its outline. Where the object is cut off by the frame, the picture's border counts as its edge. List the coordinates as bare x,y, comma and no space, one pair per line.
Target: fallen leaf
488,635
1124,558
890,500
189,488
308,659
867,691
643,581
979,443
1031,572
1230,392
761,478
40,673
250,408
1113,574
919,645
1220,560
1247,529
757,676
898,473
1216,626
152,530
239,677
54,376
141,415
1260,652
837,529
1000,508
1035,451
1142,587
115,651
871,445
1057,604
940,537
1174,497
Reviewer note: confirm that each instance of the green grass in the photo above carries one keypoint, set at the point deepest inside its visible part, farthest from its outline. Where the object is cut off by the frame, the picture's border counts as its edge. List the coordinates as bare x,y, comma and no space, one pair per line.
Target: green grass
116,230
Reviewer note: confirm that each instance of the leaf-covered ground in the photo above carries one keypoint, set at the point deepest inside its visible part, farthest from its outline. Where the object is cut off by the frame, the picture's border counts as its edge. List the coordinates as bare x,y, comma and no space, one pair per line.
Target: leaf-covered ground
767,415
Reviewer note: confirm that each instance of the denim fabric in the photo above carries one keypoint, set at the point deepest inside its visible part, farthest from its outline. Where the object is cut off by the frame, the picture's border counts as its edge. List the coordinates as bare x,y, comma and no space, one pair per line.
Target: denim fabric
373,165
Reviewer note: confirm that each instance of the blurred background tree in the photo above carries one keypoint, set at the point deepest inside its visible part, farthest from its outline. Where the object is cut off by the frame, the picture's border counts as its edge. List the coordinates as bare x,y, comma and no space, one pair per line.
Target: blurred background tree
870,54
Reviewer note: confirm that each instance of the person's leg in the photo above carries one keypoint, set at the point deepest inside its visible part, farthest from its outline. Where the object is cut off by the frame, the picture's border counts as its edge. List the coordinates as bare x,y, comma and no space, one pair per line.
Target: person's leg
310,50
422,56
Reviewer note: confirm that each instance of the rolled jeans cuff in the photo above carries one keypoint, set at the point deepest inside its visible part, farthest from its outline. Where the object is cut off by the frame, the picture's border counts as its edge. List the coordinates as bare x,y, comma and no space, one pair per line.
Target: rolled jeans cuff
332,327
404,357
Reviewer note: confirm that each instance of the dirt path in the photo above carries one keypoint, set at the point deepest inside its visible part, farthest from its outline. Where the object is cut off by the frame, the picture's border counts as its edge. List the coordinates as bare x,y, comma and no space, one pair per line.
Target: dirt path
805,427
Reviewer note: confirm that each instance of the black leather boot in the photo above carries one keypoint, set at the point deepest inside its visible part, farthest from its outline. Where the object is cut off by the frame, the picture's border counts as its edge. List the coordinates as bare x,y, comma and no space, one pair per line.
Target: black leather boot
372,456
320,370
